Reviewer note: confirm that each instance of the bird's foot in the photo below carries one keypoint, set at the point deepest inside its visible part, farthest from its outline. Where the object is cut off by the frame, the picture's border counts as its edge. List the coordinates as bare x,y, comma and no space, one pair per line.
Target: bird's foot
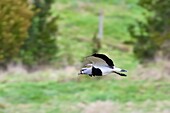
90,75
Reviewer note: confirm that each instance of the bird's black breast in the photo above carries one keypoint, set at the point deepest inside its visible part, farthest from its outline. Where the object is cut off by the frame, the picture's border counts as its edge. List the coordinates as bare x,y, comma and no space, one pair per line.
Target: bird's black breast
96,71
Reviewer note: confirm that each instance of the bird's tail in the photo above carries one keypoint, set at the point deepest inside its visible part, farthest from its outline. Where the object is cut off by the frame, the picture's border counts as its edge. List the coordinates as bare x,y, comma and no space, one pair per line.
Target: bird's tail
118,70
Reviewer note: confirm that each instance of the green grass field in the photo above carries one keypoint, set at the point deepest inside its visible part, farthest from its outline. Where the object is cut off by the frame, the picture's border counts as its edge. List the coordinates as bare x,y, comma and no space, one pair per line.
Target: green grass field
61,97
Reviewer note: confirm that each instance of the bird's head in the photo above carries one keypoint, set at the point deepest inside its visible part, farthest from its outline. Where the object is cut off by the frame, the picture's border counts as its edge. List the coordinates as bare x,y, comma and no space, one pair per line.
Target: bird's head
82,71
86,70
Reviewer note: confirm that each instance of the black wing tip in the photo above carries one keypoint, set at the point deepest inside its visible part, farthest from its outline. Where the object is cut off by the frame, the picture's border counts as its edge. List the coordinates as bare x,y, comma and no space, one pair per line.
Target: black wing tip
105,58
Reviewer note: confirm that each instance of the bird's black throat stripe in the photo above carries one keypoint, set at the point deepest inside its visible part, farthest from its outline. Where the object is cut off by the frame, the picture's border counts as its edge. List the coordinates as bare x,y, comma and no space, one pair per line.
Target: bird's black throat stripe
96,71
105,58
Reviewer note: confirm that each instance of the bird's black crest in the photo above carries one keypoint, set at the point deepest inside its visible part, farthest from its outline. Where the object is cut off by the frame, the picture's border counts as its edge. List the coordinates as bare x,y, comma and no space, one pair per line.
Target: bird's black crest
105,58
96,71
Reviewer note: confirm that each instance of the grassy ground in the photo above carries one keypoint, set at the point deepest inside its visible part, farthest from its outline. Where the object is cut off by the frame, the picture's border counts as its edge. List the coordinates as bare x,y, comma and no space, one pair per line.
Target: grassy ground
85,95
58,91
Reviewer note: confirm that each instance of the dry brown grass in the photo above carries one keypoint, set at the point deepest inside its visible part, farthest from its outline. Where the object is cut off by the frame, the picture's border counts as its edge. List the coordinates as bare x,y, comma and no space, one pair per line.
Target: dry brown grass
159,70
20,73
128,107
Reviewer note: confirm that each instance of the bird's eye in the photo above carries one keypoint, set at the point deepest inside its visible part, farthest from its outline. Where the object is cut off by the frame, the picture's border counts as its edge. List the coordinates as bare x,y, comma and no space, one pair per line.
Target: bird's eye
82,71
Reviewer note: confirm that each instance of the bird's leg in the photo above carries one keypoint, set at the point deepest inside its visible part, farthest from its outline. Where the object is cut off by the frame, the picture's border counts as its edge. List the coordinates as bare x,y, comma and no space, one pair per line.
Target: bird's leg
121,74
90,75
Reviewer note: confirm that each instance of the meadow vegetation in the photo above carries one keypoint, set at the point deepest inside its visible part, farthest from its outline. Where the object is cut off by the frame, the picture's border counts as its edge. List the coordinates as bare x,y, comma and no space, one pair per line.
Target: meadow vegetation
59,89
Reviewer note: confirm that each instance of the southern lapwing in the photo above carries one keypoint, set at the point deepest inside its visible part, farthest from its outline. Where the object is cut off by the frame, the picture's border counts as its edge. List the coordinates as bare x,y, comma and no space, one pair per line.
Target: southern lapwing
99,65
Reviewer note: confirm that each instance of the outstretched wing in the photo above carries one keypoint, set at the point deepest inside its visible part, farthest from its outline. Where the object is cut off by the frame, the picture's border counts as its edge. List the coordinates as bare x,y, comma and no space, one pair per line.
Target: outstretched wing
99,60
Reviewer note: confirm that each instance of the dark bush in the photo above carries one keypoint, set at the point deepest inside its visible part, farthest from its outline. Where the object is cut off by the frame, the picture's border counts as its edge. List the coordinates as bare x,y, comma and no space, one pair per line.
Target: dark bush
40,47
15,19
154,34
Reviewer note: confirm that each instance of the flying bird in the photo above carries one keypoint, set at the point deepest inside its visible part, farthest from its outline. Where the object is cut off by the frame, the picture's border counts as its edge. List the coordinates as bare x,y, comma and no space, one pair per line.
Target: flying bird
99,65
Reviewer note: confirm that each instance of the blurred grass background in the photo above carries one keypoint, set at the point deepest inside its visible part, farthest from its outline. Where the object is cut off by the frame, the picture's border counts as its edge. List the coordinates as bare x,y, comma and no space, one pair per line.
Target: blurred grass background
41,60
